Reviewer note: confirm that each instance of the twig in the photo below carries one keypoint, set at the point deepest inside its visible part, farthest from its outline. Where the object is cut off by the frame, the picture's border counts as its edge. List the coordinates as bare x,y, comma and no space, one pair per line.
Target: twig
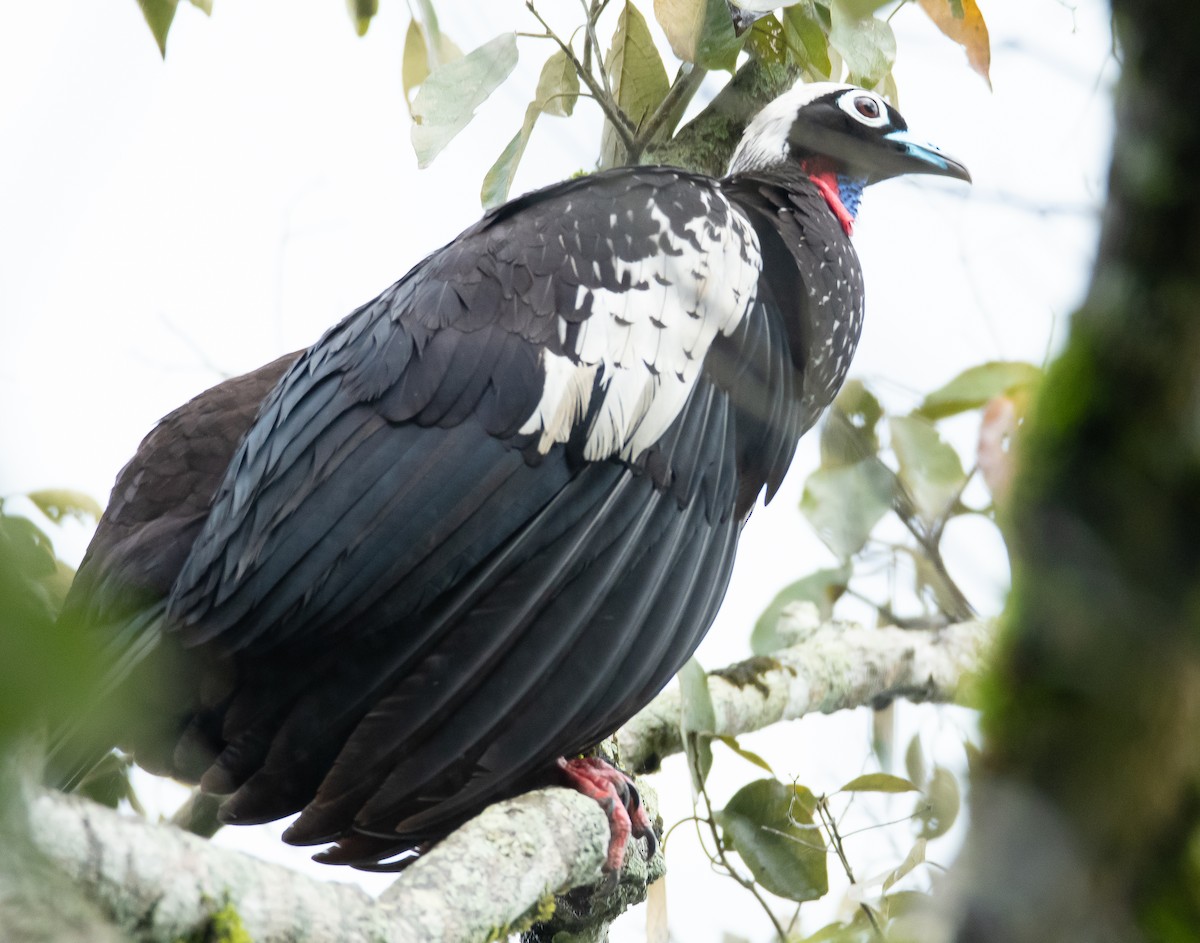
730,871
617,118
669,109
835,840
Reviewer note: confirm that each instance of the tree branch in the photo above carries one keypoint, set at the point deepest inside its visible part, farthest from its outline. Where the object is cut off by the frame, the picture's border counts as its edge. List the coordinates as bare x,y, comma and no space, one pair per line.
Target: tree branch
499,872
836,667
163,883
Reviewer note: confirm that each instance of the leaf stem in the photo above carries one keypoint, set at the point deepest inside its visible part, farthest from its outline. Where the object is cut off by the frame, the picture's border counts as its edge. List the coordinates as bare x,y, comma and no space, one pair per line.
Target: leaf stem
835,839
619,120
726,865
669,110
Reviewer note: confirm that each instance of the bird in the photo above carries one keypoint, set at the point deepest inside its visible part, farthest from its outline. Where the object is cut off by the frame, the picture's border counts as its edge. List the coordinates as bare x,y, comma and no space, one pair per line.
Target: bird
436,557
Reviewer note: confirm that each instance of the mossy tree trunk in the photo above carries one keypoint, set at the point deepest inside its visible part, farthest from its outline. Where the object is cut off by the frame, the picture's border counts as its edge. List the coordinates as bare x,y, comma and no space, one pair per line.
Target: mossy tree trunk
1087,813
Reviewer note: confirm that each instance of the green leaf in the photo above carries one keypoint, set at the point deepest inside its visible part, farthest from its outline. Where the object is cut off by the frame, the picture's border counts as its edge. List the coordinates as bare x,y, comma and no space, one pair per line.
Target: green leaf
28,549
700,31
938,809
867,44
61,503
914,763
204,6
697,721
447,99
858,930
848,434
975,386
498,180
557,92
879,782
638,78
862,8
361,13
930,470
807,36
159,15
915,856
821,588
766,41
558,86
763,823
748,755
844,504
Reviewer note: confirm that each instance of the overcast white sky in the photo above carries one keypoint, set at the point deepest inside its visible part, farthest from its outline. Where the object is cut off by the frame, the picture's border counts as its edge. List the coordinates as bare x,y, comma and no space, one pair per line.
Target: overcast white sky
164,224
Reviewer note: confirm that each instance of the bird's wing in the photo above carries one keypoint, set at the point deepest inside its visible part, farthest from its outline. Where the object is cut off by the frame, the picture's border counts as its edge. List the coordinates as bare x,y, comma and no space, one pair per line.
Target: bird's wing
576,317
439,498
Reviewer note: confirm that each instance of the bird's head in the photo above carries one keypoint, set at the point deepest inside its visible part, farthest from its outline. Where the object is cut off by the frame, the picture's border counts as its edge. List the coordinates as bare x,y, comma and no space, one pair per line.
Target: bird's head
843,137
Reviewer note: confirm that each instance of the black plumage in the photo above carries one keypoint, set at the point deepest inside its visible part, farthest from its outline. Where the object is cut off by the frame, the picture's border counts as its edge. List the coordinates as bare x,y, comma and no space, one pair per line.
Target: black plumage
487,516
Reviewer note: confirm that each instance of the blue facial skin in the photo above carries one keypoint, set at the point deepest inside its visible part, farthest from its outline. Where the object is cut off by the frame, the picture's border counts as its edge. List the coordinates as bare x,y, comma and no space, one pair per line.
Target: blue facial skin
850,193
929,154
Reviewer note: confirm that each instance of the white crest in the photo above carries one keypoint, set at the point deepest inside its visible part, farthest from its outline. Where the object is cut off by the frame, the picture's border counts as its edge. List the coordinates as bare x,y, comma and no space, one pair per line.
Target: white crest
765,140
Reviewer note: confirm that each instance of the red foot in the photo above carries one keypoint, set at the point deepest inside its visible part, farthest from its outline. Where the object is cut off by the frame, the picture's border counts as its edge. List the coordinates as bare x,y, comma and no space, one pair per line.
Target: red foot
619,798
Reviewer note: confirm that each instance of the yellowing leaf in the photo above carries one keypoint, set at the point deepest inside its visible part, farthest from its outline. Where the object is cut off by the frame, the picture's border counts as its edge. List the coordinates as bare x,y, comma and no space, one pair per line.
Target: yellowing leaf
700,31
557,92
639,80
361,13
159,14
748,755
962,22
414,63
879,782
976,385
60,503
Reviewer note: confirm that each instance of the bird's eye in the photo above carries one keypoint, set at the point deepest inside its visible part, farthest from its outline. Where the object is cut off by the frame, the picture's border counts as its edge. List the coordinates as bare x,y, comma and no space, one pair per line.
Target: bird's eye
867,107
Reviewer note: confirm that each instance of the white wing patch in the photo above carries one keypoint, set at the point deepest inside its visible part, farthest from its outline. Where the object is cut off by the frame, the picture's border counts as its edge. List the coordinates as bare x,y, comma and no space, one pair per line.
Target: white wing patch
646,342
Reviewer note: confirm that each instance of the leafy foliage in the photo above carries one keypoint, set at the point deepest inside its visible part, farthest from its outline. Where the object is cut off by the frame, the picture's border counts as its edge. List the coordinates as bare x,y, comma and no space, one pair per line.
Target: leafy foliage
700,31
877,468
822,589
770,826
697,723
40,670
557,91
639,80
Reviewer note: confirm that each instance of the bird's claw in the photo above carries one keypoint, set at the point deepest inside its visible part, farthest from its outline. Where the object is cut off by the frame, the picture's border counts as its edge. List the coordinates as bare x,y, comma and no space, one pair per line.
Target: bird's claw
621,802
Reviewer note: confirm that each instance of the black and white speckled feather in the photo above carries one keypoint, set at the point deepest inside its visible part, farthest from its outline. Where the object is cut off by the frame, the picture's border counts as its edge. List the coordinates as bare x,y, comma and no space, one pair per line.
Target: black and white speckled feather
488,515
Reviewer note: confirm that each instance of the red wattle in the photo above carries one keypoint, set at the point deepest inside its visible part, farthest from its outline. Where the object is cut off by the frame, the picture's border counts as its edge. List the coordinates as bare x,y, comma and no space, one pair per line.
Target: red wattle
827,184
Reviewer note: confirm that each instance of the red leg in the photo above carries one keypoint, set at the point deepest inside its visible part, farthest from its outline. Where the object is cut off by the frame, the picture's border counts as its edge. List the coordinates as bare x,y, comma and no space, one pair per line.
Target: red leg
618,797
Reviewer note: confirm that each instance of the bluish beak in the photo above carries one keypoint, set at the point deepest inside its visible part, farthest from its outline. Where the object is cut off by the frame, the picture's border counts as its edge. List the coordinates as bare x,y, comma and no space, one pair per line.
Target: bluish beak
920,157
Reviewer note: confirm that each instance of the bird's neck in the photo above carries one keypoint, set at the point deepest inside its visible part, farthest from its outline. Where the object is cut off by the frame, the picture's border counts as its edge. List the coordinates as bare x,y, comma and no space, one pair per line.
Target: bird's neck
842,191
